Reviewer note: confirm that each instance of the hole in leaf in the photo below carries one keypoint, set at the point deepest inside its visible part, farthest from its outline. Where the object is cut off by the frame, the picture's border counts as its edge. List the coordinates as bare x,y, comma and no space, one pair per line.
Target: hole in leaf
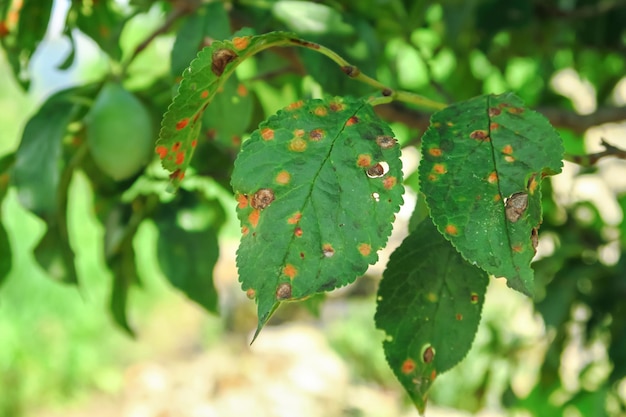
376,197
378,170
429,354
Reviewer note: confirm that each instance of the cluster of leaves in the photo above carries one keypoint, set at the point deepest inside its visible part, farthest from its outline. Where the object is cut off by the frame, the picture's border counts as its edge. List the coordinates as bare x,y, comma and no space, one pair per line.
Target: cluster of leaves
317,185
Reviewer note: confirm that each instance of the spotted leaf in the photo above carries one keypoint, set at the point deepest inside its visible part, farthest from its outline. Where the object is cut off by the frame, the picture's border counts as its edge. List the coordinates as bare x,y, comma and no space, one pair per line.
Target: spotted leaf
317,187
483,161
429,305
202,80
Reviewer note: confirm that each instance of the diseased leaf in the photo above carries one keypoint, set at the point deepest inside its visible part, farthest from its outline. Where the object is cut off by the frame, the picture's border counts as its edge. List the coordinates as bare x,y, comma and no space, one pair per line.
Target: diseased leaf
483,161
317,188
187,247
203,79
429,305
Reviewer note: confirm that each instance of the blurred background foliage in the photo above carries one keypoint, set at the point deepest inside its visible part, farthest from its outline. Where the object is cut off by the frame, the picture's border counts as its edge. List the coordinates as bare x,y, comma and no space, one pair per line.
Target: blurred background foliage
77,240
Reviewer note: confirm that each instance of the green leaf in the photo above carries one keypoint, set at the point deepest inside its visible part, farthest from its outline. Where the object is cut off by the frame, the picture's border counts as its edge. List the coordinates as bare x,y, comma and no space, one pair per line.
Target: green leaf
102,22
309,18
27,23
6,257
124,269
204,78
210,21
483,161
187,247
38,163
429,305
316,201
55,255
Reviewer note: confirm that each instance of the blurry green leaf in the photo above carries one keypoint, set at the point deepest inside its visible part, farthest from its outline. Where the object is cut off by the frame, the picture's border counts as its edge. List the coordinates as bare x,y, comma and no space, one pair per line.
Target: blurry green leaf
317,185
102,21
230,113
38,161
209,22
6,256
187,247
309,18
25,23
590,403
493,16
420,212
204,78
483,161
55,255
124,269
429,305
69,59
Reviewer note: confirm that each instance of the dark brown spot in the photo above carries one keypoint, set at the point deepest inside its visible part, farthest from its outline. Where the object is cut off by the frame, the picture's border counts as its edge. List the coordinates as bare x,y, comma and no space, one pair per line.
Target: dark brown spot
221,58
481,135
351,71
376,171
494,111
283,292
305,44
316,134
386,142
387,92
474,298
262,198
428,355
534,238
515,206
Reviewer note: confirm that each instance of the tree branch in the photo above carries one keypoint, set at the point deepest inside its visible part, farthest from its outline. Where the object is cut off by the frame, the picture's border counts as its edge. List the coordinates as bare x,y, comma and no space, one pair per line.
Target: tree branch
592,159
559,118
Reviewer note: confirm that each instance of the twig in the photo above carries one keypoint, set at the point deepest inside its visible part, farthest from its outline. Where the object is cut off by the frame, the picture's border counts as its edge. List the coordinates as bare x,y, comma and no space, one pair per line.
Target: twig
592,159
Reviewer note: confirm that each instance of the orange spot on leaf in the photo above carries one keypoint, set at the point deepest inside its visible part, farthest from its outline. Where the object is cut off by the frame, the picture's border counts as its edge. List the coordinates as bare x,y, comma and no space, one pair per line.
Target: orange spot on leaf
162,151
452,230
494,111
295,218
439,169
365,249
242,201
320,111
241,42
517,248
492,178
181,124
245,230
176,146
295,106
389,182
298,133
204,94
508,150
242,91
317,134
352,121
250,293
194,143
481,135
493,126
290,271
297,232
283,178
253,218
267,133
297,145
435,151
364,160
408,366
180,158
459,316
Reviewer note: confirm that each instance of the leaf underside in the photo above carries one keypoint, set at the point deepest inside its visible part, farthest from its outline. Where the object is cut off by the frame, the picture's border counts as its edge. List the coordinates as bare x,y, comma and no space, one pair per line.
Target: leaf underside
483,161
429,305
315,199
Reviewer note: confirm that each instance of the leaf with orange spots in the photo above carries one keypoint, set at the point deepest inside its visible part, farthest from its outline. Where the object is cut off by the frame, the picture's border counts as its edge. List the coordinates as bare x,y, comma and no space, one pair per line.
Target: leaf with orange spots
206,77
429,305
312,217
483,161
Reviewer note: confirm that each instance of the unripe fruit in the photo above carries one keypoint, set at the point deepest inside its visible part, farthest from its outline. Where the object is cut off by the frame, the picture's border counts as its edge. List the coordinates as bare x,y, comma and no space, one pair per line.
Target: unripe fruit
119,132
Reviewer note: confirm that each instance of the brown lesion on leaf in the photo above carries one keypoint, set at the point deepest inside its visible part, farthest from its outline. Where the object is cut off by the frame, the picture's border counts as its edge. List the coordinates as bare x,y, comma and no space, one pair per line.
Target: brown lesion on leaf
221,58
439,169
517,248
250,293
515,110
534,238
480,135
515,206
493,126
459,316
352,121
336,106
494,111
386,142
267,133
304,43
474,298
532,184
507,150
328,250
428,355
295,105
317,134
376,171
262,198
283,291
298,133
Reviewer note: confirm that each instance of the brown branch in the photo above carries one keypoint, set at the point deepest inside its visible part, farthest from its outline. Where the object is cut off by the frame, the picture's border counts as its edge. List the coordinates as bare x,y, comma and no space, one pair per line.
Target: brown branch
559,118
592,159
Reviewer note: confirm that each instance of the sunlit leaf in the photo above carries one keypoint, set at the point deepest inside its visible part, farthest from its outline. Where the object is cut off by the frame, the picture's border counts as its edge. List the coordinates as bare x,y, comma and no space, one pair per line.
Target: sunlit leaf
429,305
483,161
317,188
